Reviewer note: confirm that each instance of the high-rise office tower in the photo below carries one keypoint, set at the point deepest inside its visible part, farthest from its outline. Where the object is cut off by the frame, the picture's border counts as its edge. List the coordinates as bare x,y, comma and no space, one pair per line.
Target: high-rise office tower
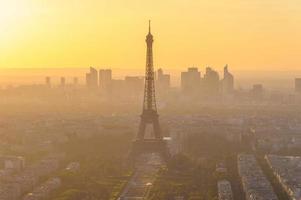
92,78
134,87
211,82
48,81
105,79
227,82
163,81
257,92
190,81
63,82
298,85
75,81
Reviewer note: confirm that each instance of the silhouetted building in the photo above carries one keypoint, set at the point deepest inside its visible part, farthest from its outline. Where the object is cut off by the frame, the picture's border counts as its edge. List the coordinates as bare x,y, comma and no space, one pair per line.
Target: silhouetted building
75,81
211,82
117,90
298,85
48,81
190,81
134,86
227,82
257,92
63,82
163,81
105,79
92,78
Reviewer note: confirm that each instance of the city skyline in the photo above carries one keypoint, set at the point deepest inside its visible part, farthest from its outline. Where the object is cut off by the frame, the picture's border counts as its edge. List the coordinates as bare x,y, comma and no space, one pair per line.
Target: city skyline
247,35
185,122
277,80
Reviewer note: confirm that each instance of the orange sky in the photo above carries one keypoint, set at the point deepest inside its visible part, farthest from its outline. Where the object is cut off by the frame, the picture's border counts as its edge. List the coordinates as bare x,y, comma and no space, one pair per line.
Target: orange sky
246,34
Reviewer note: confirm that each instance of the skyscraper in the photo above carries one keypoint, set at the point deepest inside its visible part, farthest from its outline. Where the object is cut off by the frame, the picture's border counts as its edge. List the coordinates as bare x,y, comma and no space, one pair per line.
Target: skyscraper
105,79
163,81
75,81
92,78
211,84
227,82
48,81
257,92
190,81
134,87
298,85
63,82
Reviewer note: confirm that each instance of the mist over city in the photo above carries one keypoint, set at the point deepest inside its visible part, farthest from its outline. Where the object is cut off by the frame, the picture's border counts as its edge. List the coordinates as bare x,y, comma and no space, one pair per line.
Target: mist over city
150,100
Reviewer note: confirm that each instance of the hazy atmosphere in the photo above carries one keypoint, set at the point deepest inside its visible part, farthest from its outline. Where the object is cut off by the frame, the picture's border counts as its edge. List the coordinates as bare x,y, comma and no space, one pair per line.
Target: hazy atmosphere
150,100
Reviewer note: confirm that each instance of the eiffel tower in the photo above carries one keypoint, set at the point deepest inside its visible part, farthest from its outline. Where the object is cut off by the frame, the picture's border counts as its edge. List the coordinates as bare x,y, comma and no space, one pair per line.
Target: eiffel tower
149,115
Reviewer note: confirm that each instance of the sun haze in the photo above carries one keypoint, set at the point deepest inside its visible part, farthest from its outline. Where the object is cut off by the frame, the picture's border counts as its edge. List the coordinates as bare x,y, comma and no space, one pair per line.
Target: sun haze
257,34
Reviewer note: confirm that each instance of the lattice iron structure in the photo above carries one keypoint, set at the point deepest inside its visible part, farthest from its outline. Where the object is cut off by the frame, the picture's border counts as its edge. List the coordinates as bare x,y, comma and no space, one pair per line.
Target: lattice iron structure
149,114
149,102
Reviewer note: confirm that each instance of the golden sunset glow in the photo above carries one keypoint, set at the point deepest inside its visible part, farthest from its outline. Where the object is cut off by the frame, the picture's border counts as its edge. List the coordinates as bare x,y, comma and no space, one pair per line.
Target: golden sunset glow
150,99
257,34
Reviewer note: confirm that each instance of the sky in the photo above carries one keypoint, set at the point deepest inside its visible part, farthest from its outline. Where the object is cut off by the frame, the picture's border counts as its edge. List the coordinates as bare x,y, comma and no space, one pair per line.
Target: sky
246,34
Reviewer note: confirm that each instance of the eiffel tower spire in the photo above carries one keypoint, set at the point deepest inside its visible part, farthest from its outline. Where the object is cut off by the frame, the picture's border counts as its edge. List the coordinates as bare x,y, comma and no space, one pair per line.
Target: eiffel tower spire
149,103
